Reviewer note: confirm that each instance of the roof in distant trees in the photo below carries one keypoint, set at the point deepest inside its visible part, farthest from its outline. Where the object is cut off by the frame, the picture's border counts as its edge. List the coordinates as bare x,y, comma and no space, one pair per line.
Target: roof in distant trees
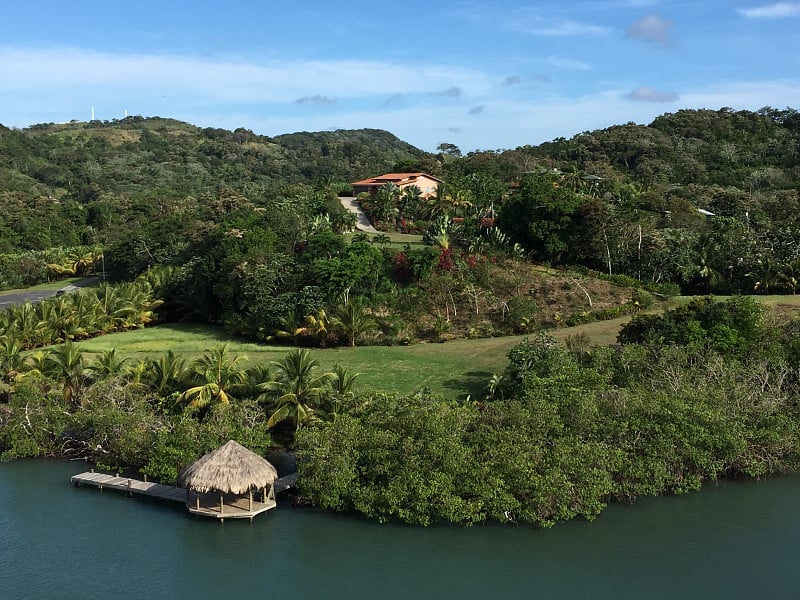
396,178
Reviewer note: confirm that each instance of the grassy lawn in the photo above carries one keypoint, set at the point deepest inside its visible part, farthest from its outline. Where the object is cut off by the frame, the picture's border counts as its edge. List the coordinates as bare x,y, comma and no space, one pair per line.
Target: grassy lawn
467,365
453,369
398,240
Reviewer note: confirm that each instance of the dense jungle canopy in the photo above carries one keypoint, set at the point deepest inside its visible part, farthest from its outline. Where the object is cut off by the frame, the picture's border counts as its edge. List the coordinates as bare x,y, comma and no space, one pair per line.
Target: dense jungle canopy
247,232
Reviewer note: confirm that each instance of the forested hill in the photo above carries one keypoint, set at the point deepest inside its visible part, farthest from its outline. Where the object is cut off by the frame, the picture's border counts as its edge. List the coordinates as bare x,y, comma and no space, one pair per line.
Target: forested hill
57,180
138,156
739,164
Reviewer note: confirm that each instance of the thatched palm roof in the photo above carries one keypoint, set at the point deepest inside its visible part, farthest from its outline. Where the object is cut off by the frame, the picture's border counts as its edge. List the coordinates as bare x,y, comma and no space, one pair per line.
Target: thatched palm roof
231,468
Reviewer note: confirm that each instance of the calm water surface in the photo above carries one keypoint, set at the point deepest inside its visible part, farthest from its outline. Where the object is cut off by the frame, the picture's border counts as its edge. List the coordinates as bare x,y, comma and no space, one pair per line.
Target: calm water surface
737,540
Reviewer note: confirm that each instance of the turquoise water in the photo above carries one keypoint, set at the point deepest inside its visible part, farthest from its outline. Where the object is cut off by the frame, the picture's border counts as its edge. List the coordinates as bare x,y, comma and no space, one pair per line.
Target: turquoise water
735,540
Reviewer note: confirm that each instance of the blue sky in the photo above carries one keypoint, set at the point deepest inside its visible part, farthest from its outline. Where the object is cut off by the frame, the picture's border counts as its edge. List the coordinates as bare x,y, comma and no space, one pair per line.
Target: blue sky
477,73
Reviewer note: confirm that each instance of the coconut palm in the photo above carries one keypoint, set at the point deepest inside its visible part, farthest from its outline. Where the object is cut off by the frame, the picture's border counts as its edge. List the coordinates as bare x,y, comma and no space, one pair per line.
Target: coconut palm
341,396
352,319
36,362
106,364
67,365
216,376
298,389
11,358
25,324
410,202
316,326
386,203
165,374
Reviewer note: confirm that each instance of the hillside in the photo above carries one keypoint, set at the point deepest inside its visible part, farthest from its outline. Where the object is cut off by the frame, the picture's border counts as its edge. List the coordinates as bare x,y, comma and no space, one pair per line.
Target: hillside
697,201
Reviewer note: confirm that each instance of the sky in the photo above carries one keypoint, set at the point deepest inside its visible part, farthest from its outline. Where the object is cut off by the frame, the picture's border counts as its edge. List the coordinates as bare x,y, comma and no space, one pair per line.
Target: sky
480,74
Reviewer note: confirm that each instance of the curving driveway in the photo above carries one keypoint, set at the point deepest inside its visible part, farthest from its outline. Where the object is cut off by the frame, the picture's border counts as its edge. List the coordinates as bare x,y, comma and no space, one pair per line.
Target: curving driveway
24,296
362,223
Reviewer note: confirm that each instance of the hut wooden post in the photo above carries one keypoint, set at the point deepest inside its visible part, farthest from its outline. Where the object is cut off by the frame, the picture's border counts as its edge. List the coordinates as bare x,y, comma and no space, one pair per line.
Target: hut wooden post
250,500
221,503
197,500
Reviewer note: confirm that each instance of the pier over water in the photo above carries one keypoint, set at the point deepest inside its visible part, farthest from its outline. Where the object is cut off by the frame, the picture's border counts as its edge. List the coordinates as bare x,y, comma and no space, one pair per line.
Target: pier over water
220,506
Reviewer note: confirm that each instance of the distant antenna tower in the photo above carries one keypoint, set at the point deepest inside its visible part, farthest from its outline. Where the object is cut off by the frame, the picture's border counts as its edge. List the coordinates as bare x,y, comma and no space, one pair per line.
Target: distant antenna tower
93,113
126,113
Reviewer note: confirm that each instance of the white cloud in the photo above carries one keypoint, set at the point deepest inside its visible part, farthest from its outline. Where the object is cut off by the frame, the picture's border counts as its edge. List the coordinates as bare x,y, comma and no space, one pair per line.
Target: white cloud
566,28
778,10
79,72
651,28
59,85
648,94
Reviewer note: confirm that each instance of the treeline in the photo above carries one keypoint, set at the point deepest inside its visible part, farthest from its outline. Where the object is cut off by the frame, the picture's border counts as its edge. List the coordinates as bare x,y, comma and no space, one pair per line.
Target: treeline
702,200
564,431
155,416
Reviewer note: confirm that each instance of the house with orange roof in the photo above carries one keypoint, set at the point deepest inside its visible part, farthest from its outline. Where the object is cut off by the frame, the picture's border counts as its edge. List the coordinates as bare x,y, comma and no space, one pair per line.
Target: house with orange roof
427,184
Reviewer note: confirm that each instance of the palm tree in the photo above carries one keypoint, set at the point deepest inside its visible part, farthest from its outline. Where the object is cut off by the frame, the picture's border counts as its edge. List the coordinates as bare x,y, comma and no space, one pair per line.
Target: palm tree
11,359
341,396
216,375
67,365
410,199
107,364
25,324
352,319
386,204
36,362
297,388
290,326
135,372
316,326
165,374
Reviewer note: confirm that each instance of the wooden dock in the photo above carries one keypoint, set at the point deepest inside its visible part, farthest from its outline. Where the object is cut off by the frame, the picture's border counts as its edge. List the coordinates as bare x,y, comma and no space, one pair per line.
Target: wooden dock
130,486
201,504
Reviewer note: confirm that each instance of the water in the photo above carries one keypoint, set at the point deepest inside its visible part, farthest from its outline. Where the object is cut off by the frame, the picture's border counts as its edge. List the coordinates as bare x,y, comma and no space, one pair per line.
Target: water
736,540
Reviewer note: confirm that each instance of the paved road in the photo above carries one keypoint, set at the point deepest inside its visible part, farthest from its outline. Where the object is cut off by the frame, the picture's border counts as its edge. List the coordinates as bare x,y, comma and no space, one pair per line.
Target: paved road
7,300
362,223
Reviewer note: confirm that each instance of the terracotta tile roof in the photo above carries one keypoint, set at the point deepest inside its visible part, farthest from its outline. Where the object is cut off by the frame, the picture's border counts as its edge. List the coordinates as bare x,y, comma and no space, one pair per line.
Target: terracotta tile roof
394,178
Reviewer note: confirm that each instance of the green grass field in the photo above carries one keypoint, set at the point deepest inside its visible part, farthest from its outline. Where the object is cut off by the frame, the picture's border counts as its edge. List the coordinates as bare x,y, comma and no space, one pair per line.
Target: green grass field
397,240
454,369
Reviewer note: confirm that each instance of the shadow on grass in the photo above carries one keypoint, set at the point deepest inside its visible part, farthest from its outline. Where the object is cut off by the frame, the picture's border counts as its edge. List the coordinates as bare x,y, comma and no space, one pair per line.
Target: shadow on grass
472,384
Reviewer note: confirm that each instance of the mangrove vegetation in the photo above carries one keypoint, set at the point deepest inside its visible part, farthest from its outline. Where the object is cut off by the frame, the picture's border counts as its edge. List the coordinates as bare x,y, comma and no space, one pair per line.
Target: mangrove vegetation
248,235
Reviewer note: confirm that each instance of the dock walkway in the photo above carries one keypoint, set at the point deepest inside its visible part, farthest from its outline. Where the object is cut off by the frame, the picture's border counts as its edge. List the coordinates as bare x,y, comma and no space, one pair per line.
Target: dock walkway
131,486
235,508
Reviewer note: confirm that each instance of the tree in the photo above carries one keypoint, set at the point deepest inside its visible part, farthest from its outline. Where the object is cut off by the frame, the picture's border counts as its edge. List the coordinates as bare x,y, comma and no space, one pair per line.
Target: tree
165,374
107,364
216,376
352,319
542,216
67,365
448,149
297,389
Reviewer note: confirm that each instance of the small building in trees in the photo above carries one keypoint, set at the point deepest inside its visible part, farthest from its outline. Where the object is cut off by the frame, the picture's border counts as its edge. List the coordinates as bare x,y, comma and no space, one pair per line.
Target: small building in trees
427,184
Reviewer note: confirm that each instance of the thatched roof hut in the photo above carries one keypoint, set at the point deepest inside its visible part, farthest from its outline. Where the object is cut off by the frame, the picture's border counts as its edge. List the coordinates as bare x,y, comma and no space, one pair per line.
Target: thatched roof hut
230,469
